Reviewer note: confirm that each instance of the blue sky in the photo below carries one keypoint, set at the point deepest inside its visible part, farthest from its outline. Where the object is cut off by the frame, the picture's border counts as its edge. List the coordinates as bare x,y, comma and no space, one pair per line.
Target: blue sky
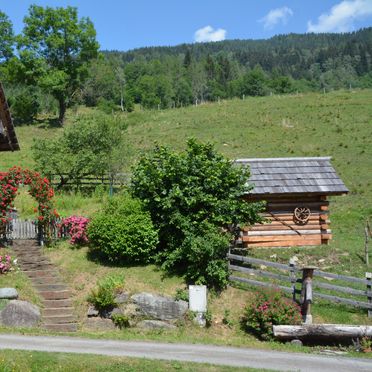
128,24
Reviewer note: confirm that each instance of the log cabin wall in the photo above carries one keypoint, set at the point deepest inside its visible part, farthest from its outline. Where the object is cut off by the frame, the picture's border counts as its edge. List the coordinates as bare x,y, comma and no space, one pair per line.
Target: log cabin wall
296,191
282,229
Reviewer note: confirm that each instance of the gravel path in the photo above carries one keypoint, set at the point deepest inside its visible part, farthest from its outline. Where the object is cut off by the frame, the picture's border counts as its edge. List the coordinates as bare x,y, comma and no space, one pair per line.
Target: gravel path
219,355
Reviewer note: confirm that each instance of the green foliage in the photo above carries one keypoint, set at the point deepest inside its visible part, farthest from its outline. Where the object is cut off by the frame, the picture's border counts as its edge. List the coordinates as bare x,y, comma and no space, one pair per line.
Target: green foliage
120,320
24,106
227,318
181,294
103,296
190,196
123,231
85,148
6,37
208,318
60,45
268,308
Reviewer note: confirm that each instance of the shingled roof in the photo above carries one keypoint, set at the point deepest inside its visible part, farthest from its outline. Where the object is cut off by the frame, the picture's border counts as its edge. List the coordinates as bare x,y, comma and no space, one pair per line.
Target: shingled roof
8,138
293,176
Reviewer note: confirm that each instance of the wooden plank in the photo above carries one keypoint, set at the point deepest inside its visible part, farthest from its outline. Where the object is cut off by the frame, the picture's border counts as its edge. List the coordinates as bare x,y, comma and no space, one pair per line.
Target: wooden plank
289,216
348,290
259,284
259,272
257,261
270,227
295,203
346,278
314,331
286,232
283,243
341,300
280,238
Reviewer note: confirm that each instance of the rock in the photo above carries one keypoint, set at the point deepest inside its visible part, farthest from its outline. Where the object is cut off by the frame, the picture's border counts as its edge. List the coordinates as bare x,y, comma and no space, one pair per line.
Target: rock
321,260
160,307
92,312
131,311
199,319
155,324
99,324
296,342
121,298
20,314
8,293
106,313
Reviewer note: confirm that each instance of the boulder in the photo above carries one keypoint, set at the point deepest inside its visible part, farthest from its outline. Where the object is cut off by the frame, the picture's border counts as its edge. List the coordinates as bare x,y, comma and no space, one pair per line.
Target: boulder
99,324
155,324
160,307
8,293
20,314
92,312
121,298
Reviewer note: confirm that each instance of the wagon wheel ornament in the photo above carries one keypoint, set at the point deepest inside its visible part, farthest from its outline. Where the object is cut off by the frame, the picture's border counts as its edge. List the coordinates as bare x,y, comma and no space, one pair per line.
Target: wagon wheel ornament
301,215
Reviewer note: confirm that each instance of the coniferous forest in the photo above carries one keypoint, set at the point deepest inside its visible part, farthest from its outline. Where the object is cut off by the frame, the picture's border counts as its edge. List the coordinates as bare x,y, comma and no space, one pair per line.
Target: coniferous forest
175,76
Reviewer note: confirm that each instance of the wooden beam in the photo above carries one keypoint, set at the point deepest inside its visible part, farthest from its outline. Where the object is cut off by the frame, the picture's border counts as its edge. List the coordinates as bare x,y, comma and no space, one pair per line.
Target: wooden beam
289,332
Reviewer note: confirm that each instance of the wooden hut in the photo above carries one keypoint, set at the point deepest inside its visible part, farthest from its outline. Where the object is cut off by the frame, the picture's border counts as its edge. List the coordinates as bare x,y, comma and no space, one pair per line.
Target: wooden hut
296,192
8,138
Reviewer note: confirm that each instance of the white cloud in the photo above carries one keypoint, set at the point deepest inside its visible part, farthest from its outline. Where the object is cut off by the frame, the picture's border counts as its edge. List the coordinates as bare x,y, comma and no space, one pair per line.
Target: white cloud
275,16
208,33
341,16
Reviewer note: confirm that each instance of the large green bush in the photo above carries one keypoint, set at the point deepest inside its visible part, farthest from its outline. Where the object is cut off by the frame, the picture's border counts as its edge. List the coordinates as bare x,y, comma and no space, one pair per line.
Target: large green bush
268,308
193,196
123,232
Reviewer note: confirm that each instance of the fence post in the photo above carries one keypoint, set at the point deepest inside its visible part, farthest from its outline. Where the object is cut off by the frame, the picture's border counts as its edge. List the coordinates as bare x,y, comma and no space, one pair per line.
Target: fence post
369,289
307,294
292,277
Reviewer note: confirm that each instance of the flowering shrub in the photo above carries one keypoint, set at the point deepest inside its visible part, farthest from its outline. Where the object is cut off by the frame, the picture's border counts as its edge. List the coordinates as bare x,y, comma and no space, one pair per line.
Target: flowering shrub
39,188
76,227
269,308
5,264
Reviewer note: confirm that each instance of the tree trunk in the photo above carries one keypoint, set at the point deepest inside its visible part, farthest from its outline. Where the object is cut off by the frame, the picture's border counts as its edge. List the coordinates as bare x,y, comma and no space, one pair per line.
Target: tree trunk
62,110
316,331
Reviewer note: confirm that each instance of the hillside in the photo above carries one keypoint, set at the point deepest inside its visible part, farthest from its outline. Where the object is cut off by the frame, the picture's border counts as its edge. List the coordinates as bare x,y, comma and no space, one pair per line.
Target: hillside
292,54
337,124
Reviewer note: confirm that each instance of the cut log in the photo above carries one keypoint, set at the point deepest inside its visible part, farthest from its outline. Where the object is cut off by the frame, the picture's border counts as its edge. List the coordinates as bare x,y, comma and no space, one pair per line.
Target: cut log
314,331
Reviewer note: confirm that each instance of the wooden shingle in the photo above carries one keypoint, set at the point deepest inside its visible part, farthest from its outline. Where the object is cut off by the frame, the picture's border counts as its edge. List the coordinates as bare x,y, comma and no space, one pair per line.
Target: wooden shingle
293,176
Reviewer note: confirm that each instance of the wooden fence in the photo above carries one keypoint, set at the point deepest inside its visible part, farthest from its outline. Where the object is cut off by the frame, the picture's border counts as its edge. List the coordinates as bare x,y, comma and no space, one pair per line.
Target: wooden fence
65,180
285,277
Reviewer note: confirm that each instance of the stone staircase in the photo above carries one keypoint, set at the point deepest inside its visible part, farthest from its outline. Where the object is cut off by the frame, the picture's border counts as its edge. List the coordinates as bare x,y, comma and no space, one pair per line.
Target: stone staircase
57,313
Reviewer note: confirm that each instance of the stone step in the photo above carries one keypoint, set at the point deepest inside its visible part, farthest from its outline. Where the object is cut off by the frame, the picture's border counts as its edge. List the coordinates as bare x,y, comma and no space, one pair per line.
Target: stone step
59,319
32,262
48,304
40,273
55,295
42,266
46,280
50,287
53,311
67,327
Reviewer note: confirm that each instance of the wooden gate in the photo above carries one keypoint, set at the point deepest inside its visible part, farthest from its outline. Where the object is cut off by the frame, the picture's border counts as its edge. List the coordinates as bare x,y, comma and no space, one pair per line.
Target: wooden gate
18,229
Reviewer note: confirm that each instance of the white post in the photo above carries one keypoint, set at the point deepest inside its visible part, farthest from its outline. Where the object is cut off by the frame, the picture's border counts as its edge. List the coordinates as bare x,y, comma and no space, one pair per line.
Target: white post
198,302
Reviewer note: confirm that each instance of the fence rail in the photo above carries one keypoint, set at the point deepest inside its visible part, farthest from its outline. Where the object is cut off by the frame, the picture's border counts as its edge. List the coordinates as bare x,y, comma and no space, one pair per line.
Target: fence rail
115,180
314,278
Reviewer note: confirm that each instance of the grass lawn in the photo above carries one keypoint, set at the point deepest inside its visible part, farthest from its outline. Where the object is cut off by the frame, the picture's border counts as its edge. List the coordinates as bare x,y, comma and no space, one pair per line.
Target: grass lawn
35,361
